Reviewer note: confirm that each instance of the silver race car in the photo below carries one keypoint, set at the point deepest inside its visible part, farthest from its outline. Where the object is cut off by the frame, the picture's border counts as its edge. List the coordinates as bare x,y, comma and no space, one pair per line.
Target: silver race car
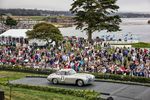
69,76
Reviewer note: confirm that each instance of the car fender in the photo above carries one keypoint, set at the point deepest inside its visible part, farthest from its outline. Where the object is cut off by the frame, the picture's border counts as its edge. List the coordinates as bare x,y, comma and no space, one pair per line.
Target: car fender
84,79
50,77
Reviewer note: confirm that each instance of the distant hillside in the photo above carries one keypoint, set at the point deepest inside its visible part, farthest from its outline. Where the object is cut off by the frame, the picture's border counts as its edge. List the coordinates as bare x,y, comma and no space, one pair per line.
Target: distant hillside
133,15
35,12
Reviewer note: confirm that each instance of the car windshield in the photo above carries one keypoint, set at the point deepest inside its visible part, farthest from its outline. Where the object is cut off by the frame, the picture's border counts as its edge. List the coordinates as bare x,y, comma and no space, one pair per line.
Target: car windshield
71,72
60,72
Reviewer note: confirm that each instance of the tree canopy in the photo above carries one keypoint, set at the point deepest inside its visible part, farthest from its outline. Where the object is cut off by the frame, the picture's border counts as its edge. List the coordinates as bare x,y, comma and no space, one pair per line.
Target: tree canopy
96,15
45,32
10,21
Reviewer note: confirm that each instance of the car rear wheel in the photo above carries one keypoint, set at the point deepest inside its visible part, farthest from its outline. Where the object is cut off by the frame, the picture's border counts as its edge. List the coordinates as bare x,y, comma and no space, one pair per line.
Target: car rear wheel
80,83
54,81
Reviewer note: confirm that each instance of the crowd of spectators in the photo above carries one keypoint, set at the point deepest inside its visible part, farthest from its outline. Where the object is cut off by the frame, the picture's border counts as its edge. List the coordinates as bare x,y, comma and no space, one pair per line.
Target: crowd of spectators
20,25
3,28
78,54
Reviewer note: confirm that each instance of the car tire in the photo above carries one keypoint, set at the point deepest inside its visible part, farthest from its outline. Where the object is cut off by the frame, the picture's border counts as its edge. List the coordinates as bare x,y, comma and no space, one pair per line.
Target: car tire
54,81
80,83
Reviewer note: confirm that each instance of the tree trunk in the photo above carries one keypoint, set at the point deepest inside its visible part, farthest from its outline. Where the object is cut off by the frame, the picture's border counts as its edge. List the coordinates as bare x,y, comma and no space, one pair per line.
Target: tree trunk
56,44
90,36
48,43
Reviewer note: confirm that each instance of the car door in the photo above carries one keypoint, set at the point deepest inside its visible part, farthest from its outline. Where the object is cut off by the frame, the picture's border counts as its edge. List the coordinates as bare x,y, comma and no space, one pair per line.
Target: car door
62,77
68,79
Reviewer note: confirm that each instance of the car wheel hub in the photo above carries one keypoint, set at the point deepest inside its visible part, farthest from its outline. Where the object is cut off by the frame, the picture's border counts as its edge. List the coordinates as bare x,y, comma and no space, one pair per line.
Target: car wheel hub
55,81
80,83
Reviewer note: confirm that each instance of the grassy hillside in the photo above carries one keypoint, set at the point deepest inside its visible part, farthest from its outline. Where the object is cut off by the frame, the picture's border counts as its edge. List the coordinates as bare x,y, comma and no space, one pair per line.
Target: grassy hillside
141,45
28,94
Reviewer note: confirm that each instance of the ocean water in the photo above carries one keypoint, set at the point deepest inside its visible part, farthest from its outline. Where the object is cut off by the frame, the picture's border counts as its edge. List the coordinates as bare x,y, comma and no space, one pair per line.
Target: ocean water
136,26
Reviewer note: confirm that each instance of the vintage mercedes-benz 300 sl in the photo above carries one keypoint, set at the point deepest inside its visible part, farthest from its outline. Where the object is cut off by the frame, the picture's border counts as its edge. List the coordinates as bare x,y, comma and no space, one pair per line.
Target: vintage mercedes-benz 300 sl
69,76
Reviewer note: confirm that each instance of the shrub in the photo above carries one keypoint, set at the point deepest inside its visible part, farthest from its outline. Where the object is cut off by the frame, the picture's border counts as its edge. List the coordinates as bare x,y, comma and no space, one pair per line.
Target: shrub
26,69
122,77
97,75
87,94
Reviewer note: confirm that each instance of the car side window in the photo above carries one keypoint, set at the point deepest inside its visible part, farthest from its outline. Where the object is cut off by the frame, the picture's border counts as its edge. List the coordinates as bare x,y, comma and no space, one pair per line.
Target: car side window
58,73
62,73
67,73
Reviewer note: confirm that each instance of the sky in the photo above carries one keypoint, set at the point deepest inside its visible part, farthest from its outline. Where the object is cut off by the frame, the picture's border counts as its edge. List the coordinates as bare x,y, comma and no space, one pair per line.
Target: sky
64,5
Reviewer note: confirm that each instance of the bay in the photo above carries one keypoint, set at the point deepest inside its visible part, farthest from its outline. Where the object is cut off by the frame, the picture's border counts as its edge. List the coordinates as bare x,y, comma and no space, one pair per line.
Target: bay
136,26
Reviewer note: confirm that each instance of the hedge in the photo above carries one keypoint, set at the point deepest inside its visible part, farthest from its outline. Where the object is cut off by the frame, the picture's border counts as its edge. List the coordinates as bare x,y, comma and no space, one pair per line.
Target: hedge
26,69
97,75
122,77
87,94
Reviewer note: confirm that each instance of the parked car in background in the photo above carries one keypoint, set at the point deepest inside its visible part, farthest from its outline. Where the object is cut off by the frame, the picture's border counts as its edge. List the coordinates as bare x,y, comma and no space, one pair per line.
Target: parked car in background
69,76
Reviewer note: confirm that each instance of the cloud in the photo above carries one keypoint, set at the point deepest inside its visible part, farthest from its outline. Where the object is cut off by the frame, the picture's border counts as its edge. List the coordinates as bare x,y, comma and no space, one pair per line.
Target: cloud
125,5
39,4
134,5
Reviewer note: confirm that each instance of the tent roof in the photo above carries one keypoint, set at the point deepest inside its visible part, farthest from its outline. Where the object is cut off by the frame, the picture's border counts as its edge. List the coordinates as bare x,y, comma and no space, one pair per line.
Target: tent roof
15,33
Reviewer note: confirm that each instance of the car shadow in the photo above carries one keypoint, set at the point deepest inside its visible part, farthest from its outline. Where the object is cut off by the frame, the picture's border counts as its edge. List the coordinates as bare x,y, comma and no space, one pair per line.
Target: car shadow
70,85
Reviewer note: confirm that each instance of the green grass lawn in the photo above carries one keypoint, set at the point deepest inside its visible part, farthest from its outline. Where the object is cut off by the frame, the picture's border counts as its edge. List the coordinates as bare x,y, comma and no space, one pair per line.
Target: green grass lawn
28,94
10,75
141,45
37,17
137,45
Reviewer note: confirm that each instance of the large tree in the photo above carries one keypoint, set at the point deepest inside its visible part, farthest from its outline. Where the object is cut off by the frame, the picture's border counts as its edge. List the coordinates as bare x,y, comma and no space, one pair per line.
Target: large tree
10,21
96,15
45,32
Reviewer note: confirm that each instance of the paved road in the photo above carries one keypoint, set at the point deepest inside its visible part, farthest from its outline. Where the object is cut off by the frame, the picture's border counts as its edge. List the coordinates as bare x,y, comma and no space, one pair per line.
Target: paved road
117,91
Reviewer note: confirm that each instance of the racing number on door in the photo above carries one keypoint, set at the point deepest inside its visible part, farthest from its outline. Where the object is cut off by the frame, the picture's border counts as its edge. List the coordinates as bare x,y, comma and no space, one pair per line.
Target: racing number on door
62,78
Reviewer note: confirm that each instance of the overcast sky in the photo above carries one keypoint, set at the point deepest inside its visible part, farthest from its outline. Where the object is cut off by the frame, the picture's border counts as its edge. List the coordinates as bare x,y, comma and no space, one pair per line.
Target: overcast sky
125,5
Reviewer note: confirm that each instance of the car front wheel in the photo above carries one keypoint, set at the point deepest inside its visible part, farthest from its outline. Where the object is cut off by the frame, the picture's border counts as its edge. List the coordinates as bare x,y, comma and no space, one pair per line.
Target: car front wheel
80,83
54,81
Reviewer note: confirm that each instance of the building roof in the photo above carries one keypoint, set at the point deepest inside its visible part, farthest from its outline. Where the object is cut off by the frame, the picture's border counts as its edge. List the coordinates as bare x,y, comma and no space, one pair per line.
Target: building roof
15,33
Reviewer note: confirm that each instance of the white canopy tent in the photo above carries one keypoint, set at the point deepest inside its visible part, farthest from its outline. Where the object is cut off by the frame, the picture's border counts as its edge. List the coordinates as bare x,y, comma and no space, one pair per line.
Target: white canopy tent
21,33
15,33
